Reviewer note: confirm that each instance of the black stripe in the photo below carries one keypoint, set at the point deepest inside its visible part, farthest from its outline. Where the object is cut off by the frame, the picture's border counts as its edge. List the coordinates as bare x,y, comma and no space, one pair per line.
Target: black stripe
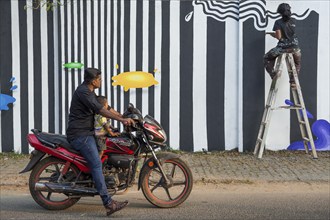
307,32
139,48
92,33
253,83
37,70
79,43
186,73
24,86
127,19
151,52
215,84
7,141
118,55
84,15
66,60
165,71
112,64
51,88
60,68
72,72
105,50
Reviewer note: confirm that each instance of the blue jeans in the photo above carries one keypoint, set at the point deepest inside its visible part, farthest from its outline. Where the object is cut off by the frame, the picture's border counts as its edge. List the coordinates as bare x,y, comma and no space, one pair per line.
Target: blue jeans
86,145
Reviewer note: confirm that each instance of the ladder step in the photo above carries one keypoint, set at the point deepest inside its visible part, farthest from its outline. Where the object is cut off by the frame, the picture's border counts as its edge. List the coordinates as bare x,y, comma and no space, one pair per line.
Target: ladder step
306,139
302,122
287,107
263,123
259,140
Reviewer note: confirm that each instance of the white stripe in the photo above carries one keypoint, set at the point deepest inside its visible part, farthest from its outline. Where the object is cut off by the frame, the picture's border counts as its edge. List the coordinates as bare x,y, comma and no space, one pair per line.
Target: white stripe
16,73
82,46
174,74
89,36
56,70
199,80
122,64
44,69
75,32
70,71
323,66
145,55
109,67
231,86
132,58
115,62
96,39
29,23
62,72
240,87
278,137
158,56
102,48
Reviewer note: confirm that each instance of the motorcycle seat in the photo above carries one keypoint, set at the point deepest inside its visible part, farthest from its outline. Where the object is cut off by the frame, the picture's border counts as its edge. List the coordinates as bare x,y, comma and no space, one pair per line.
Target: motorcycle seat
53,140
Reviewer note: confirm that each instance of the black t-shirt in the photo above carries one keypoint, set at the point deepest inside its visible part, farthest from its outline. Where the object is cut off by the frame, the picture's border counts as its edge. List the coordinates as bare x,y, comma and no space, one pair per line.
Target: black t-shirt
81,117
288,31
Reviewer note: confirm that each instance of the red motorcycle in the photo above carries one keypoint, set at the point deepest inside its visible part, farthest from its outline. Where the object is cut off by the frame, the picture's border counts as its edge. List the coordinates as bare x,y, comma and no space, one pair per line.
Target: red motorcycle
60,175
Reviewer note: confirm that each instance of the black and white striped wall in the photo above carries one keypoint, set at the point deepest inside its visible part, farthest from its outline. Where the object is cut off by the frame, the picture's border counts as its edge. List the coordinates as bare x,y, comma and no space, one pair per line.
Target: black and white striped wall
207,56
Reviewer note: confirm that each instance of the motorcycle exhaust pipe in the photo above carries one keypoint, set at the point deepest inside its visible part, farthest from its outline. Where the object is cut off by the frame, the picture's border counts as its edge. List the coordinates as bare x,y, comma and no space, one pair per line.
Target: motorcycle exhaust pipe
64,188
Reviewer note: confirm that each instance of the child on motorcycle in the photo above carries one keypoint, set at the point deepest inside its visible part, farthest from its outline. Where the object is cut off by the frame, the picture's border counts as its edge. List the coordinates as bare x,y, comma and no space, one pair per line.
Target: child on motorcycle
102,126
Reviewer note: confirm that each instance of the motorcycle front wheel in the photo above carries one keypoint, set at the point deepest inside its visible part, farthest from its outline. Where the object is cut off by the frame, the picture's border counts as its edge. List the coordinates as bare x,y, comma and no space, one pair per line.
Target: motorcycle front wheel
167,195
49,170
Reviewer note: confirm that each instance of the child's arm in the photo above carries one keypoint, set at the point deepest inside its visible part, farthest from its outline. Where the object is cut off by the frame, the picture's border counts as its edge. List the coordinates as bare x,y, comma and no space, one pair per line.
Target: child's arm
108,129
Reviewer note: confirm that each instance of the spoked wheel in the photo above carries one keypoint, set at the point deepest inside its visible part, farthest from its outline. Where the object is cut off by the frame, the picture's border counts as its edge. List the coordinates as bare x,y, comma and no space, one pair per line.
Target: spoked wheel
49,170
173,193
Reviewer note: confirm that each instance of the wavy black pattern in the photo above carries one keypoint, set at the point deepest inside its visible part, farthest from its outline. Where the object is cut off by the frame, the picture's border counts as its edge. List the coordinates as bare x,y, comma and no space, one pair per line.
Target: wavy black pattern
243,10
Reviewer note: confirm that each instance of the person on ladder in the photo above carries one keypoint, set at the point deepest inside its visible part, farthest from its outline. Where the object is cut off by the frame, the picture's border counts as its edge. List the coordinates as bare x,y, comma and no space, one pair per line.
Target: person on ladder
285,32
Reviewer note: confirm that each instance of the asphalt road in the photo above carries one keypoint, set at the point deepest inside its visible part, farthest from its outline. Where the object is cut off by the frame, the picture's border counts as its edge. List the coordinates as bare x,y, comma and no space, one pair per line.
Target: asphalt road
241,201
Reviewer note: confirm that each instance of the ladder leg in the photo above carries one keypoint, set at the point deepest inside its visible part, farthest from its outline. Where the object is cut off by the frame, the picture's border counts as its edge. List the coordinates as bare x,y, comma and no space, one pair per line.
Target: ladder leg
300,120
264,125
299,100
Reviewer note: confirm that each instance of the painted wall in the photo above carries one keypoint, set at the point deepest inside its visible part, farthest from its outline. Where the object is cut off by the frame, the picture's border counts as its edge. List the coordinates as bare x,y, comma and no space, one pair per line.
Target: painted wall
208,57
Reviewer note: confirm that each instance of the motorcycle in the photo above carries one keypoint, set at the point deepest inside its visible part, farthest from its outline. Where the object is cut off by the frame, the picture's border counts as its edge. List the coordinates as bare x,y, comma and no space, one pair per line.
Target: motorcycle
60,175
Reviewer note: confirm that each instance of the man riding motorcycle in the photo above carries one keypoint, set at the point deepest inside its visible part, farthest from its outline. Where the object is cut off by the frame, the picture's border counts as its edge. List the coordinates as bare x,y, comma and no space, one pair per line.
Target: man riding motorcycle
80,132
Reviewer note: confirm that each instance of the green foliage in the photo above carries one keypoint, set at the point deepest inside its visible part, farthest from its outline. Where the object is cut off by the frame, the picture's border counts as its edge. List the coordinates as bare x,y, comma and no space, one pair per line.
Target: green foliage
38,4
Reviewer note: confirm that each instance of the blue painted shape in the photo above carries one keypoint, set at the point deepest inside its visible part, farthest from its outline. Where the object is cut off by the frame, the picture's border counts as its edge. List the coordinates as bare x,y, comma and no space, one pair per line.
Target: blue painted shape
5,100
12,79
289,102
13,88
320,129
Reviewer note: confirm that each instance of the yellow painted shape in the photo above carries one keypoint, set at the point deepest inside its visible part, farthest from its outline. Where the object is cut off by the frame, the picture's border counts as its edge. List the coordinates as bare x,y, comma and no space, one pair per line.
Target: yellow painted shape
137,79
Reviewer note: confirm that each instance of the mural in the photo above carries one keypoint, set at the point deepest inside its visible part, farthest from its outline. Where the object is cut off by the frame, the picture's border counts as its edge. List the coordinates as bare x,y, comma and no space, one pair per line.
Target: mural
73,65
5,100
212,84
135,79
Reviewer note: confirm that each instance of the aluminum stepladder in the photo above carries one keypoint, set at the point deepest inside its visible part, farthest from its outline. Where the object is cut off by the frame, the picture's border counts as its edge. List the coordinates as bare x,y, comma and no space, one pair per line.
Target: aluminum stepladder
299,106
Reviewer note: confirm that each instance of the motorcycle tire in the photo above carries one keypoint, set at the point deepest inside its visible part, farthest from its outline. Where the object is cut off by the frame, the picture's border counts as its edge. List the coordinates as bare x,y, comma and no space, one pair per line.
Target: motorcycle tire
48,202
166,201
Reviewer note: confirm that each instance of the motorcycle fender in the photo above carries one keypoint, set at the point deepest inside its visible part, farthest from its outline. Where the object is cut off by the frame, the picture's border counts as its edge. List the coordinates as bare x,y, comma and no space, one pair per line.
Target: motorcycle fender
35,158
161,157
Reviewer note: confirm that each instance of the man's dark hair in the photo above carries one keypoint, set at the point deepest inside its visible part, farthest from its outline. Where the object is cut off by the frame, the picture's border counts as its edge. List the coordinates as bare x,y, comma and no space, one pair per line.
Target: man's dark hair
284,9
101,99
91,74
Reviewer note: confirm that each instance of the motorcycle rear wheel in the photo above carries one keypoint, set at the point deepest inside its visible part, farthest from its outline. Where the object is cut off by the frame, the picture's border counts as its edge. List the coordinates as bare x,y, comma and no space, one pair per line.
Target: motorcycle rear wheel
48,171
161,195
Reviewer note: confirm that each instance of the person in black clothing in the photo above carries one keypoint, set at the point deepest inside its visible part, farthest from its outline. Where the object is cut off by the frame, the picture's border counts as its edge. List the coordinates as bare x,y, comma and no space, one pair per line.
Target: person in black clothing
285,32
80,132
